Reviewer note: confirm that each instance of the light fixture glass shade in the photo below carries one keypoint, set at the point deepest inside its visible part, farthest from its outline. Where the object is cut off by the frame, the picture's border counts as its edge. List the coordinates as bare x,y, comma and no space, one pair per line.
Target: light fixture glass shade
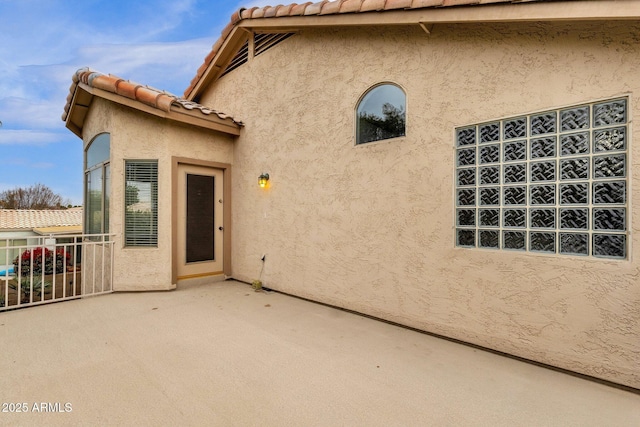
263,179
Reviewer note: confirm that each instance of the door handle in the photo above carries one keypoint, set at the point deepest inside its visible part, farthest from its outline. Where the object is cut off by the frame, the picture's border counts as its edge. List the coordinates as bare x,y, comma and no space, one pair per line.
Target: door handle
220,228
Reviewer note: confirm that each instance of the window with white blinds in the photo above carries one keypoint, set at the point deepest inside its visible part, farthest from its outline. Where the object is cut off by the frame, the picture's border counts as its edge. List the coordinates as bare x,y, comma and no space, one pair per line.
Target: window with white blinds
141,203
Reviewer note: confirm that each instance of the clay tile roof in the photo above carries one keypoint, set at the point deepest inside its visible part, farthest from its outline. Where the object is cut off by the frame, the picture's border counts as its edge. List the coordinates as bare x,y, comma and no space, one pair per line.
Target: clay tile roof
400,4
145,94
371,5
298,9
285,10
11,219
324,8
331,8
350,6
271,11
257,12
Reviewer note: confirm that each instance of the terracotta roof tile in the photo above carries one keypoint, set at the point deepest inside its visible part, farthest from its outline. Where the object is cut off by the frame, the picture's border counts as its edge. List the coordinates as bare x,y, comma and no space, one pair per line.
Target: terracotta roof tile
108,83
298,9
144,94
236,17
351,6
147,96
11,219
164,102
258,13
459,2
370,5
417,4
270,11
246,13
397,4
315,8
331,8
126,89
285,10
322,8
326,7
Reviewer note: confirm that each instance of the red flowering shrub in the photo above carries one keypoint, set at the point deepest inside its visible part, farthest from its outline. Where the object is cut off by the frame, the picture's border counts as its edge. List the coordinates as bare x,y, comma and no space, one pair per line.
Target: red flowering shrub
33,259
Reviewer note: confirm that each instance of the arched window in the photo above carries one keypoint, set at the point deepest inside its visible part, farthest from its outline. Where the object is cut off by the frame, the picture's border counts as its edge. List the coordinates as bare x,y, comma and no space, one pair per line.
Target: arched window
96,185
381,114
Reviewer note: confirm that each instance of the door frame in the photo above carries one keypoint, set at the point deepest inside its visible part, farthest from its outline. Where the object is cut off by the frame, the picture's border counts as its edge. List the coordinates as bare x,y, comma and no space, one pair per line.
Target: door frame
226,211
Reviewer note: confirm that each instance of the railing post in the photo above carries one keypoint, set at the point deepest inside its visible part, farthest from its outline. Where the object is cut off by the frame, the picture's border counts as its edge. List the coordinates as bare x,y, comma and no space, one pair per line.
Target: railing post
93,266
102,246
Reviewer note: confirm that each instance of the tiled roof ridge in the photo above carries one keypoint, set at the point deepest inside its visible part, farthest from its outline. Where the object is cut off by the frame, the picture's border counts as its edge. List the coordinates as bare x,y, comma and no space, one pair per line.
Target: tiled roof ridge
35,218
156,98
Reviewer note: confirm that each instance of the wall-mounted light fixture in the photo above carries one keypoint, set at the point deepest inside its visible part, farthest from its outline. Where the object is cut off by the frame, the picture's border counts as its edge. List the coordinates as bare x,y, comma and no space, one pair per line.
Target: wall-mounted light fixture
263,179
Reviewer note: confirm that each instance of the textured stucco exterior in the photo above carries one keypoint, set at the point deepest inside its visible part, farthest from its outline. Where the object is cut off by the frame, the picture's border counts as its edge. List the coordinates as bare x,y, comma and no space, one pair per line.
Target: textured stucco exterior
370,227
140,136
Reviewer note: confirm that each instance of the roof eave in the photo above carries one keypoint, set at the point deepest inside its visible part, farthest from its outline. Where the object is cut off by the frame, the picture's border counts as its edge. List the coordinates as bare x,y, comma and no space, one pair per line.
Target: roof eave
525,11
58,229
84,94
229,46
78,108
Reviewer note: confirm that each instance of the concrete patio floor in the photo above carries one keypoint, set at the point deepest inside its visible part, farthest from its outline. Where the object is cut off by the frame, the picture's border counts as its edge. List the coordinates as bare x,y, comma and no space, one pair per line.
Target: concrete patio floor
222,354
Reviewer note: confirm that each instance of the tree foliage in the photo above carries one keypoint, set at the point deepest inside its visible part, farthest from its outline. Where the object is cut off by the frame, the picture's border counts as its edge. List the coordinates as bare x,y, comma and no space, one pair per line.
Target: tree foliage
131,195
374,128
38,196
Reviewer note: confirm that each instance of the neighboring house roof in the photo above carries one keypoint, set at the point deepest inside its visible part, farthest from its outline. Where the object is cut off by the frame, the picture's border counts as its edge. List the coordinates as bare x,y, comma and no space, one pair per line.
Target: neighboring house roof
17,219
87,83
424,13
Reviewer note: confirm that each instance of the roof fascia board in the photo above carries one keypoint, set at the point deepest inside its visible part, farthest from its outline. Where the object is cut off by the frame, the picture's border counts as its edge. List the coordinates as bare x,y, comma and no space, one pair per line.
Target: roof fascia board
58,230
535,11
78,110
227,51
175,114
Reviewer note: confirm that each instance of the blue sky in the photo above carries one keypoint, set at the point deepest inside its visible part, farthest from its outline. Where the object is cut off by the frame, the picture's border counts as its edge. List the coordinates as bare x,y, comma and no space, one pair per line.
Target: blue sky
160,43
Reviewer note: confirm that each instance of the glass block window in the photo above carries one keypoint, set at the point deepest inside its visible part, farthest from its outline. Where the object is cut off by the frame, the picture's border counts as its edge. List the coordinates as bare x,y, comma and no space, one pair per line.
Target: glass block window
551,182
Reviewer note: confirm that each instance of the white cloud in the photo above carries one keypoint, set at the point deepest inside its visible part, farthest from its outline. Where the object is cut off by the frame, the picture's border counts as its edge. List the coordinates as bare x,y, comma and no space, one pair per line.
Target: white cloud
40,99
64,28
160,43
29,137
43,165
259,3
33,113
155,64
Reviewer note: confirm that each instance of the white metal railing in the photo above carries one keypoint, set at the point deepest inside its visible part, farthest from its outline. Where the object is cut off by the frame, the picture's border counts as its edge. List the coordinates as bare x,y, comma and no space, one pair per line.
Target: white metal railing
54,268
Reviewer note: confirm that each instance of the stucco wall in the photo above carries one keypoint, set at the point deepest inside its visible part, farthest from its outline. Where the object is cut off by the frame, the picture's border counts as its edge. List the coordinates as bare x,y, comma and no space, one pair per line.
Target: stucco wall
136,135
370,227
